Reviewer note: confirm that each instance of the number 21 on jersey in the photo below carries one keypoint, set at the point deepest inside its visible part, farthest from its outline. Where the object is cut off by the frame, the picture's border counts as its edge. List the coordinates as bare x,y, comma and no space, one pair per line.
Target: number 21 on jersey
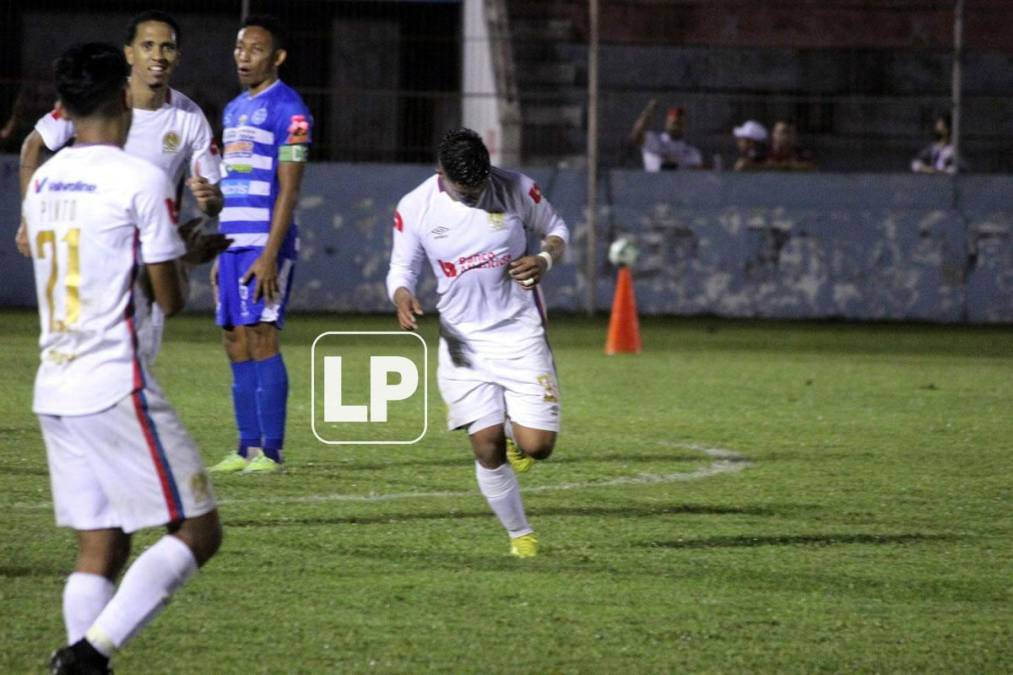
71,275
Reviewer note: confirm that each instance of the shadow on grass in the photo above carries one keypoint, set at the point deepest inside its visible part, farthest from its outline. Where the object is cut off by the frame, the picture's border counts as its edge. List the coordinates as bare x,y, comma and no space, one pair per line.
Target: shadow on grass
40,570
747,541
11,470
624,512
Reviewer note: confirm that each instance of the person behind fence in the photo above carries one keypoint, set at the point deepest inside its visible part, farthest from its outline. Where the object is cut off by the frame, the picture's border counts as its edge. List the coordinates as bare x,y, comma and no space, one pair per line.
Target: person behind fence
785,155
751,140
939,156
666,149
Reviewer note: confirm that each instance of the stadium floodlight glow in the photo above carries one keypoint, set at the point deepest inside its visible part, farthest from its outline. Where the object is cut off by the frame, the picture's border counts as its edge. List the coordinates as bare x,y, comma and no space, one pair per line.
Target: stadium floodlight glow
335,421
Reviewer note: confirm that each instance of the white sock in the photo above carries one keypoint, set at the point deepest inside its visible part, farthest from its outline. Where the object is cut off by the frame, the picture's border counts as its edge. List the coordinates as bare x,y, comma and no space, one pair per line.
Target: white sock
143,593
84,598
501,490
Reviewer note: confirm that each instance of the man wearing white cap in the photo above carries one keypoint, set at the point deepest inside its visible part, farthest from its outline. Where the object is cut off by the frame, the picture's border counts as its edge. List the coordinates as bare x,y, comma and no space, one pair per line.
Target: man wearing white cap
751,138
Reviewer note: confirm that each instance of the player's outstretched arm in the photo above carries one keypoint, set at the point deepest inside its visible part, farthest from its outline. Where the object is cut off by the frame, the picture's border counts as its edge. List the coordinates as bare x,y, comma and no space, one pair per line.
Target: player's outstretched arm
166,286
408,307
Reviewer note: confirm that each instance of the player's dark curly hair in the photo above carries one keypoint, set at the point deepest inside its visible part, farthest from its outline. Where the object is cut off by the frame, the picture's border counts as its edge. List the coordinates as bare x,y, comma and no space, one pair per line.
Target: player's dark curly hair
279,36
90,78
151,15
464,157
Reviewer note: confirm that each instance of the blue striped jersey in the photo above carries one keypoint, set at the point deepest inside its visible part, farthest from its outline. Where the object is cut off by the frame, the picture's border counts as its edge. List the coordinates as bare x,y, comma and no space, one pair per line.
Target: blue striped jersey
256,130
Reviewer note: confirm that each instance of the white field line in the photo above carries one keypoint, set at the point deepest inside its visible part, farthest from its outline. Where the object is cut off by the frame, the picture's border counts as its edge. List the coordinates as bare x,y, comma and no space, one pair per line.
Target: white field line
726,461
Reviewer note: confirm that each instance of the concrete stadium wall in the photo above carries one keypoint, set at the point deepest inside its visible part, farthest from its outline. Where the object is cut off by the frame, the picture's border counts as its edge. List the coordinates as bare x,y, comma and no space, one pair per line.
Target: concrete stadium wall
893,247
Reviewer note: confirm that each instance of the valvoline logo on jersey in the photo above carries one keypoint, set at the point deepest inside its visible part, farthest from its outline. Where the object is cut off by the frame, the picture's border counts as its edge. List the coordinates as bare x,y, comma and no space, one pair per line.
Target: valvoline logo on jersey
58,186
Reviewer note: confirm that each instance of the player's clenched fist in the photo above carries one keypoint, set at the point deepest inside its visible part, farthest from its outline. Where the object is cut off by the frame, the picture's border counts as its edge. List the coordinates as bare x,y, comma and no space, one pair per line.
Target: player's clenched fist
529,270
408,308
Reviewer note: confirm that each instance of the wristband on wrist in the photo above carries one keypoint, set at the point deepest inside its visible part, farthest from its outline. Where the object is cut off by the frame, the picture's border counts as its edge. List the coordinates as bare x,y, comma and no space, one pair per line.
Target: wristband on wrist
548,259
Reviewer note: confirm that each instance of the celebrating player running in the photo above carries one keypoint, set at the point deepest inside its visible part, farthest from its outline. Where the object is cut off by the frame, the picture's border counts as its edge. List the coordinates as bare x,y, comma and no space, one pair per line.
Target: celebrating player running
496,374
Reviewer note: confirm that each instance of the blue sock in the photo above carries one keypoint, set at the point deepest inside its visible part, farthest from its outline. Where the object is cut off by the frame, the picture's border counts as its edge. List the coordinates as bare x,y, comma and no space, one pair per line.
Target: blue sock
244,402
272,396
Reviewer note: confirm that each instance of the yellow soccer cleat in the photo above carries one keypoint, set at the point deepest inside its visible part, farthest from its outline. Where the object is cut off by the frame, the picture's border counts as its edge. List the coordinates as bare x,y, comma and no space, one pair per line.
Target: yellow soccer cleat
524,546
233,463
264,464
518,460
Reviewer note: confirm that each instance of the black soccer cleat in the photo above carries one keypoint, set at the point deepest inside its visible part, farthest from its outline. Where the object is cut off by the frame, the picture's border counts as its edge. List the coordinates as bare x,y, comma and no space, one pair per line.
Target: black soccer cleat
67,661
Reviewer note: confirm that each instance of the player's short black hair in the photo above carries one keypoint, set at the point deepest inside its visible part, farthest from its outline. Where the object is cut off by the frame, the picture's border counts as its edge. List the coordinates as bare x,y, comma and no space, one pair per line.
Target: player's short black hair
151,15
89,78
464,157
273,25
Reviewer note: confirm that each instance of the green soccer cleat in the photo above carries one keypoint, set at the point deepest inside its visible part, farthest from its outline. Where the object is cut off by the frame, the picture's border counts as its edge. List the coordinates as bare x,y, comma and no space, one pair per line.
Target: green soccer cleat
518,460
233,463
264,464
524,546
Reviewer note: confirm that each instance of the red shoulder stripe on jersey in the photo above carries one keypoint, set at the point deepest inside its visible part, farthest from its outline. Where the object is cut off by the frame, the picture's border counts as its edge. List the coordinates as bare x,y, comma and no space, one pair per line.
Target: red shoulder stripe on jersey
398,222
56,114
535,193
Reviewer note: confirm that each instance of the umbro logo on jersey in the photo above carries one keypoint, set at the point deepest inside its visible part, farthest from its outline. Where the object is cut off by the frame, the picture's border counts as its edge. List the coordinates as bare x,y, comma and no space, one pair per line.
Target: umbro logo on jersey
440,232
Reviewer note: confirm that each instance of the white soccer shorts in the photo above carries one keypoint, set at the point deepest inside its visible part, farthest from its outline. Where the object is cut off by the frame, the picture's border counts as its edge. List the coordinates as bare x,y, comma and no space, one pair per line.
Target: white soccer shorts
524,387
130,466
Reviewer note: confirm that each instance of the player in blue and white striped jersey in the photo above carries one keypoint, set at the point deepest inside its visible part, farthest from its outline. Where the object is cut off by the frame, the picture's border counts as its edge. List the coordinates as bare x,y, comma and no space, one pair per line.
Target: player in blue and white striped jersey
266,147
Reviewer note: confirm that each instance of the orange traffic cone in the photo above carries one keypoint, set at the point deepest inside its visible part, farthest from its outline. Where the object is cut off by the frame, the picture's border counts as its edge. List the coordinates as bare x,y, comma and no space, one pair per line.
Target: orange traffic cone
624,327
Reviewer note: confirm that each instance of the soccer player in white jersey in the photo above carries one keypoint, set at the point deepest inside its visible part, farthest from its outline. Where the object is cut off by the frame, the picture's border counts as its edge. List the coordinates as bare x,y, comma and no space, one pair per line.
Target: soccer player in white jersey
168,129
119,458
471,221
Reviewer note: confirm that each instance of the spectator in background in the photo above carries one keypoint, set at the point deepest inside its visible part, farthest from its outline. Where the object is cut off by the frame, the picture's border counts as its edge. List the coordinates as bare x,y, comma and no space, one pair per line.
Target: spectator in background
784,152
751,139
665,150
938,157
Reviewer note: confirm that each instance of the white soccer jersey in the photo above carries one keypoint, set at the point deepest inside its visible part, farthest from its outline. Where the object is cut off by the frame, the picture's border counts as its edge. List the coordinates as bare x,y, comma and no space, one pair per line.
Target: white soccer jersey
93,214
176,137
469,250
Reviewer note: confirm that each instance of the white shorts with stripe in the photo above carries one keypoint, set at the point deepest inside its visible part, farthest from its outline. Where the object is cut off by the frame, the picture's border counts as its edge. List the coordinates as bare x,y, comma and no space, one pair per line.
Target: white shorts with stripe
523,387
130,466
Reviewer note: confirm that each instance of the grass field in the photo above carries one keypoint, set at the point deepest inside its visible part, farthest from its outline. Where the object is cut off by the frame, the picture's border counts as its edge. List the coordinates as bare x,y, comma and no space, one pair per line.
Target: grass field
863,524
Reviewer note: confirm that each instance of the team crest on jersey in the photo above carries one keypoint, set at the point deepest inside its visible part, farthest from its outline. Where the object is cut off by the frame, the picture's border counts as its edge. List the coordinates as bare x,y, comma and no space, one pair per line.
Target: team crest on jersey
259,115
242,120
170,142
497,221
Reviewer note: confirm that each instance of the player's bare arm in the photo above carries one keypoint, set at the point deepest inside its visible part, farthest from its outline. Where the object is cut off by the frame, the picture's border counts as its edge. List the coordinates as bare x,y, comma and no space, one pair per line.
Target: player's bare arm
408,307
208,195
265,268
167,285
31,159
531,269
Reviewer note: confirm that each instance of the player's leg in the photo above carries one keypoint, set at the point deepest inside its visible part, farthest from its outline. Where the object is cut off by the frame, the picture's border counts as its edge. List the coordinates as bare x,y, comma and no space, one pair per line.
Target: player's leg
271,395
265,348
231,313
476,404
531,393
81,504
151,473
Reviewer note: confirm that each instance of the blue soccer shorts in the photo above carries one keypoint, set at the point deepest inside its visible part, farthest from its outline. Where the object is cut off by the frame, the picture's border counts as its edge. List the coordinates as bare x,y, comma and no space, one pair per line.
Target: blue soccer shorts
234,304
